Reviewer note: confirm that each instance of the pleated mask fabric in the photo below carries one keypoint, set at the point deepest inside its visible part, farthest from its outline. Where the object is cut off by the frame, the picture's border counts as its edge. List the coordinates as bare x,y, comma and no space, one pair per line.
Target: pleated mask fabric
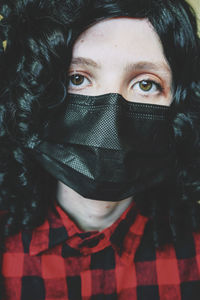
107,148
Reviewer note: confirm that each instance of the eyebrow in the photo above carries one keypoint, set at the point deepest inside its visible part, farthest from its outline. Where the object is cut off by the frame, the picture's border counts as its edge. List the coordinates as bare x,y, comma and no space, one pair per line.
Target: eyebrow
85,62
145,65
142,65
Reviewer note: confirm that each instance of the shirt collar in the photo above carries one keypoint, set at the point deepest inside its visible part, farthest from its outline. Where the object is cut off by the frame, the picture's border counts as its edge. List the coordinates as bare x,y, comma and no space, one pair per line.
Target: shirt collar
123,235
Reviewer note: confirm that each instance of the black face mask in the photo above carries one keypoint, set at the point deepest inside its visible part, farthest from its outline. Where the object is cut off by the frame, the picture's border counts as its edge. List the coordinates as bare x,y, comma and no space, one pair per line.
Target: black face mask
107,148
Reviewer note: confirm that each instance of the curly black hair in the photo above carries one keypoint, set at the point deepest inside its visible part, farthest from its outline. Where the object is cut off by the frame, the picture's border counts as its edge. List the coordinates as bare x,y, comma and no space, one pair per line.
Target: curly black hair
34,64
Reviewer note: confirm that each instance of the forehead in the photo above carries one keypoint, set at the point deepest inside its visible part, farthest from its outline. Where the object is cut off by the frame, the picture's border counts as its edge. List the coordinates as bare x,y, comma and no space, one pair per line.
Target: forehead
128,38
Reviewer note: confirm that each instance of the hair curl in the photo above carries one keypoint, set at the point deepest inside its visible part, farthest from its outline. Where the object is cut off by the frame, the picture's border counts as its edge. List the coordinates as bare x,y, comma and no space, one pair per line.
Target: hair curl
33,76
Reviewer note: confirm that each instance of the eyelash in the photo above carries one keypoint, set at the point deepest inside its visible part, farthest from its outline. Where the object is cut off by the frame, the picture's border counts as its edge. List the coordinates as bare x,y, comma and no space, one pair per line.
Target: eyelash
154,83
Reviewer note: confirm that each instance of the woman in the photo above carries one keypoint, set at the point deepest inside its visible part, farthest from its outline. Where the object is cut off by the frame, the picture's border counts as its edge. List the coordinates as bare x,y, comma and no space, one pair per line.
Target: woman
100,147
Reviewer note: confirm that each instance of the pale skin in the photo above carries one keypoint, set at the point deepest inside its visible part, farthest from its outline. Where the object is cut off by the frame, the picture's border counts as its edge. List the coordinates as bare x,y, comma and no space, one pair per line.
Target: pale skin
124,56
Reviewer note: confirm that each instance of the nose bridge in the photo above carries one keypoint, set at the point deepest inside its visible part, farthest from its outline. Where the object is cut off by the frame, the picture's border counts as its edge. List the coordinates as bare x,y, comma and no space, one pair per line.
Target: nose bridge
112,79
112,76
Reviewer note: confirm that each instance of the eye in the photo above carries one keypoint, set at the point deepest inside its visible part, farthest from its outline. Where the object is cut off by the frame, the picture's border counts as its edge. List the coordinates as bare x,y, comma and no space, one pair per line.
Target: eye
147,87
78,81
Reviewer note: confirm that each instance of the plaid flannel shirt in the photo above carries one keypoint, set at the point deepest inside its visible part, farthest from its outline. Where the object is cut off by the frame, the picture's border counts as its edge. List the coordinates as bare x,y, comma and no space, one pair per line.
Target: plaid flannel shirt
59,261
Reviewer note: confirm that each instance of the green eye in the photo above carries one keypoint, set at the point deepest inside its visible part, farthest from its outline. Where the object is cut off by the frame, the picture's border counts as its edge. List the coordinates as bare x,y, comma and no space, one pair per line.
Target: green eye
77,79
145,85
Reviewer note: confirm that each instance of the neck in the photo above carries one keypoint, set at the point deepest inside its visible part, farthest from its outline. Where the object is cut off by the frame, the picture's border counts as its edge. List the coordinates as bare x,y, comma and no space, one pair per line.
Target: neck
90,214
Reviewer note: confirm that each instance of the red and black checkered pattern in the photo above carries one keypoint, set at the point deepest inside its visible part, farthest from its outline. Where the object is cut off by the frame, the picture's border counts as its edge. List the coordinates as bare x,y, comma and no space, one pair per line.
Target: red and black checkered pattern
59,261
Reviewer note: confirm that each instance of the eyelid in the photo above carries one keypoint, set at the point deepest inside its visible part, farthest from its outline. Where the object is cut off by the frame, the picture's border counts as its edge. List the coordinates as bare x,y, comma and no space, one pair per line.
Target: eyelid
147,77
78,72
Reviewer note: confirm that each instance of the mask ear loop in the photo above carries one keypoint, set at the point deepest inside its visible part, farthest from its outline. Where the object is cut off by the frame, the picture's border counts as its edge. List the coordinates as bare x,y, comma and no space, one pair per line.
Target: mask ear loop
4,43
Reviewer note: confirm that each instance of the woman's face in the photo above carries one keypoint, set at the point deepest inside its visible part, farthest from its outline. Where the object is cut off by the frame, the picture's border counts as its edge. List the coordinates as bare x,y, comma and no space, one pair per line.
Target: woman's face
121,55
